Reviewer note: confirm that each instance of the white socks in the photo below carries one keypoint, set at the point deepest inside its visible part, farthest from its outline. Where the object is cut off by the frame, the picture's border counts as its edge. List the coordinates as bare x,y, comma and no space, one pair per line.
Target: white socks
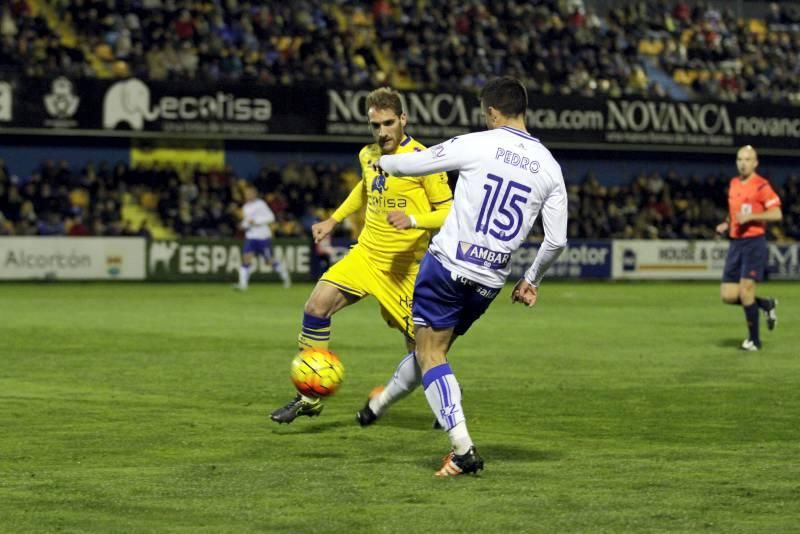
244,276
444,397
277,266
405,380
283,272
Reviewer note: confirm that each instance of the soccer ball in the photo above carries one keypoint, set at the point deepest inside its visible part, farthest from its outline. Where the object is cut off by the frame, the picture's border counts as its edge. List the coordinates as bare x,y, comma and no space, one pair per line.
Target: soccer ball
317,372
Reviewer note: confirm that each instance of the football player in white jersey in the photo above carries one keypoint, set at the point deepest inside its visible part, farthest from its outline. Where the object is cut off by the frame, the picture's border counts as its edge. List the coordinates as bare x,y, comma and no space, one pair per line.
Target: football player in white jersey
506,179
256,218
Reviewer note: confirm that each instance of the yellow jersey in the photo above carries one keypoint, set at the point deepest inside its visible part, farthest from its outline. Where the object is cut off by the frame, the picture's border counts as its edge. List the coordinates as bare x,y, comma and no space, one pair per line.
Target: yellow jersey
391,249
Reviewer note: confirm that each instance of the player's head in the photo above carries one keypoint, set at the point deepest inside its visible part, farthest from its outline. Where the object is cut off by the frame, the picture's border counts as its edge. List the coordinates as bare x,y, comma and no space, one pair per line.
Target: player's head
250,192
746,161
386,118
501,99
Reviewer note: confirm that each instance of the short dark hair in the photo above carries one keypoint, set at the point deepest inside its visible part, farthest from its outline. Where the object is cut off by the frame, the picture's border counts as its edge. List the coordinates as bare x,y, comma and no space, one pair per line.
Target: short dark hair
505,94
385,98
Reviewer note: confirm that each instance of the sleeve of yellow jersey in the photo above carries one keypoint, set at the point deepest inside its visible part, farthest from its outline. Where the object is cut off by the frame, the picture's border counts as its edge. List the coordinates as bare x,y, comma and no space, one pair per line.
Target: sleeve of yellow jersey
441,199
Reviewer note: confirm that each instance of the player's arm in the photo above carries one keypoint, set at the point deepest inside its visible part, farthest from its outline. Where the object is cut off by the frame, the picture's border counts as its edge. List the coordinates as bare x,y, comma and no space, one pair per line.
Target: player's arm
772,207
447,156
263,216
433,220
773,214
723,227
554,220
353,203
441,200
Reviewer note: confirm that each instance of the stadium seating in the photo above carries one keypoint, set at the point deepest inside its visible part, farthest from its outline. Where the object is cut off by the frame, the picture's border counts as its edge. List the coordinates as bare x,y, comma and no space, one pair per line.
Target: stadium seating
644,48
98,200
653,49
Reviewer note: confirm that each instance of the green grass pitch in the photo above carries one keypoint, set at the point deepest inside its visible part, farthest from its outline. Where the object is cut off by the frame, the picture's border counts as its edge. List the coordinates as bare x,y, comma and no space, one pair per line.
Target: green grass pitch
607,408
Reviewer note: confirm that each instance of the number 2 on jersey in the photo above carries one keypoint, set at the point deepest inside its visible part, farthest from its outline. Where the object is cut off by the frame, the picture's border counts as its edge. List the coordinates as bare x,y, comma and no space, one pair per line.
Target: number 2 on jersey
506,221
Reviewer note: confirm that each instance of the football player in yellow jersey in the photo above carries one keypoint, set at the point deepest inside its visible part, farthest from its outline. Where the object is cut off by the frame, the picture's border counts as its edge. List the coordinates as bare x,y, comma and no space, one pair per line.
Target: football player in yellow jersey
400,213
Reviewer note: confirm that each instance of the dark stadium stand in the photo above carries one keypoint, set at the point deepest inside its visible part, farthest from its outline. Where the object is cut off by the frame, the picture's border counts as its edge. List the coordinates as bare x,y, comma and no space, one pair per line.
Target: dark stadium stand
57,200
671,49
676,49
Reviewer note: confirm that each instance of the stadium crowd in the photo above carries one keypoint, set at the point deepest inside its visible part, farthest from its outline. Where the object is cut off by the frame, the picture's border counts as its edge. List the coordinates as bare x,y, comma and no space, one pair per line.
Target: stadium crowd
556,46
721,56
57,200
29,46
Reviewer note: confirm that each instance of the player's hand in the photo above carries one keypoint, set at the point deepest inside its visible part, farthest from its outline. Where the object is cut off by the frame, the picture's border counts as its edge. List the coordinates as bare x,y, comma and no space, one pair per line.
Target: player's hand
525,293
722,228
377,168
322,229
246,224
744,218
399,220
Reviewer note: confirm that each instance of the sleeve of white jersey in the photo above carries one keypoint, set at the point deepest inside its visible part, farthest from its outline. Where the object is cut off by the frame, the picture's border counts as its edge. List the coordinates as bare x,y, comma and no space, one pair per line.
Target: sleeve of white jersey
448,156
263,215
554,219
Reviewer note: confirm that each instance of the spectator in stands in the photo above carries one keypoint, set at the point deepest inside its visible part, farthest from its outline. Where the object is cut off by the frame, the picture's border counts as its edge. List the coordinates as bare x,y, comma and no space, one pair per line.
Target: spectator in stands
196,202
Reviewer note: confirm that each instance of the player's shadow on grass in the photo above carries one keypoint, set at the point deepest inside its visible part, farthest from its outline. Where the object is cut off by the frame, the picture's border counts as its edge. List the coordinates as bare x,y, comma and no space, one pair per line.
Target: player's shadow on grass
320,454
498,452
407,420
517,453
730,343
311,428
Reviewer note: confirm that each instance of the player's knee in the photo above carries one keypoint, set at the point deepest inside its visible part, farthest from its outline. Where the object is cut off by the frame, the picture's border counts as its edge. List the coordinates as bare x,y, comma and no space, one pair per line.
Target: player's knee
318,307
727,298
429,359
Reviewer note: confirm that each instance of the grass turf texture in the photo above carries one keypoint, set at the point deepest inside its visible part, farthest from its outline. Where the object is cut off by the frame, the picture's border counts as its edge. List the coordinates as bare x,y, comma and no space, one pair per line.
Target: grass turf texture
609,407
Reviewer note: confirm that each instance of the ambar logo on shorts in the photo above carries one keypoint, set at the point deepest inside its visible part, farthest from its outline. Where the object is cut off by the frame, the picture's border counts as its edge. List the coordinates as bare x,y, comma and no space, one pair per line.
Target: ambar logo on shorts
129,103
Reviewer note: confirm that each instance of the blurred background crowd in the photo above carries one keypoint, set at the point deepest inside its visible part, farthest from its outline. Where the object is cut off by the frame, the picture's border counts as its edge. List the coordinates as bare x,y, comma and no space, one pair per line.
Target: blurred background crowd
58,200
654,48
658,48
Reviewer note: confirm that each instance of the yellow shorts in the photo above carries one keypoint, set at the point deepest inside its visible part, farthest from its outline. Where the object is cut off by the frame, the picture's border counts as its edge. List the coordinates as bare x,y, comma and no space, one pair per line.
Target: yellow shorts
356,275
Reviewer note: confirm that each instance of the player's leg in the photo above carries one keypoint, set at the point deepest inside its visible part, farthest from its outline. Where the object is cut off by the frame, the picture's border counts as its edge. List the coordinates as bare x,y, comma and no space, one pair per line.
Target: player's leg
406,378
247,265
729,292
754,263
277,265
441,386
769,305
731,273
443,393
324,301
394,292
735,290
338,287
441,310
747,295
341,285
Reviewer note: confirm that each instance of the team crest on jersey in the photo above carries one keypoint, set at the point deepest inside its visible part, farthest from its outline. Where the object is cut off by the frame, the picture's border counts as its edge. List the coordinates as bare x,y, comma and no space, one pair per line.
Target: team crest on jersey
379,184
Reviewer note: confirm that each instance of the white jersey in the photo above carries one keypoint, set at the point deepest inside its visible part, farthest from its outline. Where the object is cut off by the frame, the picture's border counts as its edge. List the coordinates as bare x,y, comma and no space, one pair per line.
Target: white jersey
256,219
506,178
